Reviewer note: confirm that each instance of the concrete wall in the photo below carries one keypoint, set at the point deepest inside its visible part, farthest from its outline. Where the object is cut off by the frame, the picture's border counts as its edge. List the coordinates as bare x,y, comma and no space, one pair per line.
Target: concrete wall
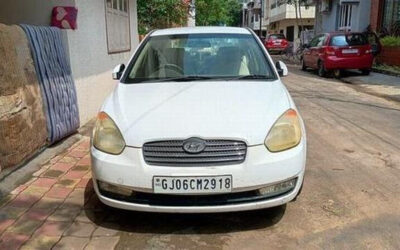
91,63
36,12
86,47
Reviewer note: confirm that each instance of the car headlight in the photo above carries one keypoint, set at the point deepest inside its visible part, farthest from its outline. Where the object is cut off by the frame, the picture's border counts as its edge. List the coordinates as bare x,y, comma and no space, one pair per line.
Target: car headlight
285,133
106,135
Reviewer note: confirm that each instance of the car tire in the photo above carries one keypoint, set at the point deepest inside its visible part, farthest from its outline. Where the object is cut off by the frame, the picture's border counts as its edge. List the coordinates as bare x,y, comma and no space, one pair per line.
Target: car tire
303,65
321,69
338,73
365,72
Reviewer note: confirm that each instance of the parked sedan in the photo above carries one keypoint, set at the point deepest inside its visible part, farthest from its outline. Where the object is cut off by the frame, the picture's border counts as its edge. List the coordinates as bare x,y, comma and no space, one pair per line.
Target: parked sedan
199,122
276,43
337,52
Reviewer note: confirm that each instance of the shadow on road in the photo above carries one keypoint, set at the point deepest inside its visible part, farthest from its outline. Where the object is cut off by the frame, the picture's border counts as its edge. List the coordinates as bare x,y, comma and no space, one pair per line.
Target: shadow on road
163,223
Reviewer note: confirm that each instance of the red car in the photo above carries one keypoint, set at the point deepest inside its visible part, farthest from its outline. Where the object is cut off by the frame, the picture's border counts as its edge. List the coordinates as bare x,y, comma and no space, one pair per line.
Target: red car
276,43
337,52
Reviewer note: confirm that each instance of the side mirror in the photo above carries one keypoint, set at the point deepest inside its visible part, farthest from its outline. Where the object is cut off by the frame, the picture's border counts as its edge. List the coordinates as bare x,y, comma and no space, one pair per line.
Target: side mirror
117,72
281,68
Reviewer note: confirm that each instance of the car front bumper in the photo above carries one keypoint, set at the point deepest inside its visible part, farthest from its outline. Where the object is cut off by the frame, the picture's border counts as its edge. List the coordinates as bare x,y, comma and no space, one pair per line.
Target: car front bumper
261,168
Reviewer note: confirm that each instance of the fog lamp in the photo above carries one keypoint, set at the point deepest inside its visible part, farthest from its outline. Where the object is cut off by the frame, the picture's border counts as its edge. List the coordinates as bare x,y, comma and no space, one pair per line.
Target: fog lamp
115,189
279,188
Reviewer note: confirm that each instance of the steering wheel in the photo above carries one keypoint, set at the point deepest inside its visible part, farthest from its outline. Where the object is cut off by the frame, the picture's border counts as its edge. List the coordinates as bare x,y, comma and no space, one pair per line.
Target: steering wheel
172,67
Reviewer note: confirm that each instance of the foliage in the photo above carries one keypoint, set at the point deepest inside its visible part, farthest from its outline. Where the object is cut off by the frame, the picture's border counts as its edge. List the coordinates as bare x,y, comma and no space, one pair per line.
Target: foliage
153,14
390,41
217,12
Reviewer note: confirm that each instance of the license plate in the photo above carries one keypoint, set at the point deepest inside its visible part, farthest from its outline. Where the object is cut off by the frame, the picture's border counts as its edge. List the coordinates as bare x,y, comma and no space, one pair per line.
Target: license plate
277,42
192,185
350,51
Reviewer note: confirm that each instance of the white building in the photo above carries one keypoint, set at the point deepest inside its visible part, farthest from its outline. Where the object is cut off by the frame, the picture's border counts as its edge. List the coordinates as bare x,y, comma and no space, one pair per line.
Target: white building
253,17
281,18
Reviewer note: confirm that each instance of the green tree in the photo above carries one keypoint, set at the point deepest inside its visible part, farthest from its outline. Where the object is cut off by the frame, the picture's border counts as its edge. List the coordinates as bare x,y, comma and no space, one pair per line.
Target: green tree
217,12
153,14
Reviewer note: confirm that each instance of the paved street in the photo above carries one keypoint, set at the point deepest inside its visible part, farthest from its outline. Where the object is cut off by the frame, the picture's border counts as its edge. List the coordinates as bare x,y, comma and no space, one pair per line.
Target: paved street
350,199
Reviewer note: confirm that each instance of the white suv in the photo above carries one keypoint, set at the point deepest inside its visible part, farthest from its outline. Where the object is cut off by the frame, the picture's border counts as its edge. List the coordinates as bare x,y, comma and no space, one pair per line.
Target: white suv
200,122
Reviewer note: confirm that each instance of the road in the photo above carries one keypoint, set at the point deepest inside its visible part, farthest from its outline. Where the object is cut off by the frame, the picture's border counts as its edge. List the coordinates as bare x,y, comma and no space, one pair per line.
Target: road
350,199
351,195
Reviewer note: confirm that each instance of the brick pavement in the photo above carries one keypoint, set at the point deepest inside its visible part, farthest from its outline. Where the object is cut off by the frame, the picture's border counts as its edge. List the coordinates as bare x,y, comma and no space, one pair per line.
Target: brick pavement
57,207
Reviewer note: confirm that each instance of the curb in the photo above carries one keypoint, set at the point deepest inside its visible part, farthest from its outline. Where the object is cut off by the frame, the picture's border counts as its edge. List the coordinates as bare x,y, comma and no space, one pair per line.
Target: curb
386,72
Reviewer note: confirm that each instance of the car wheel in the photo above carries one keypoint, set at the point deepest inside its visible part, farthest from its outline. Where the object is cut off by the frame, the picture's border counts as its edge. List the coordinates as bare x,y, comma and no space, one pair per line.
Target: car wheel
321,69
337,73
365,71
303,65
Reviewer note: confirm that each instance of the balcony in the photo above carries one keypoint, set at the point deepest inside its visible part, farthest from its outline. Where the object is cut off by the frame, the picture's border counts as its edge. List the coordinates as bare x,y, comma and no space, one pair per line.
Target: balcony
254,4
286,11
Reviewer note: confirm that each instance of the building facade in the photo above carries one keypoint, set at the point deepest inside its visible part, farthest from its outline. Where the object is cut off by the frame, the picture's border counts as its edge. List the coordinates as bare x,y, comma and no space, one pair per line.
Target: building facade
287,19
253,16
276,16
385,15
342,15
106,36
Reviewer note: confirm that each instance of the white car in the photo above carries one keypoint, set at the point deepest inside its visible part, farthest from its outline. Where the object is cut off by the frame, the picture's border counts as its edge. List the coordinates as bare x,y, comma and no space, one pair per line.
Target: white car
199,122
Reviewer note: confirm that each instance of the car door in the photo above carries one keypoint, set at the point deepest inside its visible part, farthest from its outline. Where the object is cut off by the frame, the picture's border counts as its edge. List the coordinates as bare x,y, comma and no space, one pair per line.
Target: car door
316,50
307,54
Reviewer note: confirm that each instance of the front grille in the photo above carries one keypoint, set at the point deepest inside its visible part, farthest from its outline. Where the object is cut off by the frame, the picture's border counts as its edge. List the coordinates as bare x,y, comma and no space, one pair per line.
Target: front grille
216,152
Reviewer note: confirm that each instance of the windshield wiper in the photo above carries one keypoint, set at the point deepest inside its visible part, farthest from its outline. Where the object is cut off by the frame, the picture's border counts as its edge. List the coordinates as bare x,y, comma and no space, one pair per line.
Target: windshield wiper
246,77
183,79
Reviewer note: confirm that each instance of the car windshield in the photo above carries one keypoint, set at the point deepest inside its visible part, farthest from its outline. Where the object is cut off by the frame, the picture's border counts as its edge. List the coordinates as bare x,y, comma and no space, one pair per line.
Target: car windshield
200,57
349,40
276,36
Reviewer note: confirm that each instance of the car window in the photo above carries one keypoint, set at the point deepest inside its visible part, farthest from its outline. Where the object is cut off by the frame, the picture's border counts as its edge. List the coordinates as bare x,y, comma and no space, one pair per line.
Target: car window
276,36
321,41
316,40
349,40
214,56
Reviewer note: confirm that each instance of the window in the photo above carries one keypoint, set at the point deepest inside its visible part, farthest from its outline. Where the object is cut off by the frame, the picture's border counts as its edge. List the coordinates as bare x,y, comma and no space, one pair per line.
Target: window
212,56
118,27
345,17
317,41
349,40
391,13
276,36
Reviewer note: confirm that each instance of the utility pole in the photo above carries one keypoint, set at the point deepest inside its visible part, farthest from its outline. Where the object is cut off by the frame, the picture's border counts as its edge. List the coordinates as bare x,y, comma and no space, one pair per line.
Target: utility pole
261,17
192,14
243,14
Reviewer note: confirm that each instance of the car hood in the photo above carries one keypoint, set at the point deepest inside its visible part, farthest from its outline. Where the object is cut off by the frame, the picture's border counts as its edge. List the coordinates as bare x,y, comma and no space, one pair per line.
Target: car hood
240,110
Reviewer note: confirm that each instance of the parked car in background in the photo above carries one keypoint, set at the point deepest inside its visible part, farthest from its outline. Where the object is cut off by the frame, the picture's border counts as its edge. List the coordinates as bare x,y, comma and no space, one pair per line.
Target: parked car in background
199,122
335,52
276,43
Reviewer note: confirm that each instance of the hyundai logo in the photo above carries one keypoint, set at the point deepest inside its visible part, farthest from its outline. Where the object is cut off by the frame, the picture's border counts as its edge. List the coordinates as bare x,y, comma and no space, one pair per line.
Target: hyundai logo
194,145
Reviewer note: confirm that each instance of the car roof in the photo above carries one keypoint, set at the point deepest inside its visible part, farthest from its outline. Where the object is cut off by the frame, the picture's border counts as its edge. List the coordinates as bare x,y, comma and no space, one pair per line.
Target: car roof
201,30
